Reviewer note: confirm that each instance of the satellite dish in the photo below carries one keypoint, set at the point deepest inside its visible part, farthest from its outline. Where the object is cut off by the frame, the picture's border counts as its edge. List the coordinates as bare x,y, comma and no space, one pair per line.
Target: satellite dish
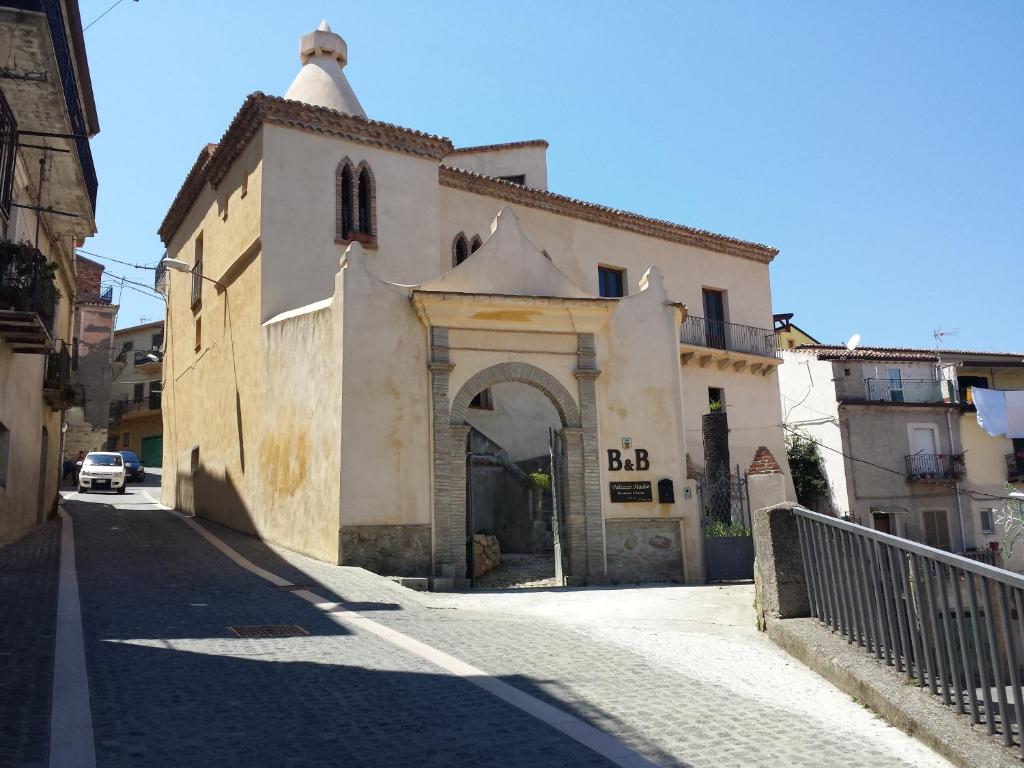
853,343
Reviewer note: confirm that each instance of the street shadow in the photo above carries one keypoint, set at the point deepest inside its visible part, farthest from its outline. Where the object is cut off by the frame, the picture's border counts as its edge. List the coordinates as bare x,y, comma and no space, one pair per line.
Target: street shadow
169,706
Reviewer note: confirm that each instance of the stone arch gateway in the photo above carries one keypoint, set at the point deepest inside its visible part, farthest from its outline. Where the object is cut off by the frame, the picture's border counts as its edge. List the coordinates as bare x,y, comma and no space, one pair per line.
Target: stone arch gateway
584,526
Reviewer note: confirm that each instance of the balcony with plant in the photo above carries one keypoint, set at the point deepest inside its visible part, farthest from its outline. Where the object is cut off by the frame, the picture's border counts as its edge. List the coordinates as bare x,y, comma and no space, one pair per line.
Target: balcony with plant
28,298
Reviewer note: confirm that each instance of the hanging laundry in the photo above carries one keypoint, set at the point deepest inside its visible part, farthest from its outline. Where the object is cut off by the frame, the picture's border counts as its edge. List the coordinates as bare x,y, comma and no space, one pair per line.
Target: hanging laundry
991,405
1015,414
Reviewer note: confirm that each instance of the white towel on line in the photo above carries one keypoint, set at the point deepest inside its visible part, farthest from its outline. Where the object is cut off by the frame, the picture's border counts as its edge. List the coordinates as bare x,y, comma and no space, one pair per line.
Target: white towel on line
991,407
1015,414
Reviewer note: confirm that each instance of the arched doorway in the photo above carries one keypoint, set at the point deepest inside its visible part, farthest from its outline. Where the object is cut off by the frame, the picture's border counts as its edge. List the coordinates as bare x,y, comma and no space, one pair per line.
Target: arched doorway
583,533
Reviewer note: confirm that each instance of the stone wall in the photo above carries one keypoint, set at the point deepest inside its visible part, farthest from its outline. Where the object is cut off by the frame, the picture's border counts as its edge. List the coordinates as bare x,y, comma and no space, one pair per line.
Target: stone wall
390,550
83,437
644,550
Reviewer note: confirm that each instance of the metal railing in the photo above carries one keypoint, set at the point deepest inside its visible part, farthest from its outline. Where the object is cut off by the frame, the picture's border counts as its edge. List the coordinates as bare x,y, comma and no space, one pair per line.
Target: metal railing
120,408
988,556
58,367
945,621
160,277
906,391
8,152
144,356
105,295
26,283
719,334
69,85
935,466
1014,468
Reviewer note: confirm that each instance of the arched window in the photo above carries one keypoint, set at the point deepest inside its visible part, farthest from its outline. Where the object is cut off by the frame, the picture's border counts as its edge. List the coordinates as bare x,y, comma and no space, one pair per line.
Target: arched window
475,244
460,250
367,201
345,213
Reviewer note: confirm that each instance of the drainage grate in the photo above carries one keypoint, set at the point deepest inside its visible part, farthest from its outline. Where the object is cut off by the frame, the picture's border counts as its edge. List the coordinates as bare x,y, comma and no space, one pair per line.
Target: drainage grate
269,630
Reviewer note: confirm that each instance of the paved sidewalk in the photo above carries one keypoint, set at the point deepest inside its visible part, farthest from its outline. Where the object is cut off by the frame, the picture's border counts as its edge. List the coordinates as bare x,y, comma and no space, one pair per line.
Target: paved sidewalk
28,609
676,673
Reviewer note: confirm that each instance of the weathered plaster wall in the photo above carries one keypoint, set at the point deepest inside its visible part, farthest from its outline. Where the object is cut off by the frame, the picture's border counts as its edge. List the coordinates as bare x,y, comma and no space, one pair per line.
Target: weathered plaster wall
138,428
299,439
880,432
385,411
31,488
298,222
212,394
639,396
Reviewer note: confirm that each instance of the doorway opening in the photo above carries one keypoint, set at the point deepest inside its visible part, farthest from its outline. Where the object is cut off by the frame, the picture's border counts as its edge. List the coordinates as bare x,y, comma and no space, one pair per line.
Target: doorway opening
514,484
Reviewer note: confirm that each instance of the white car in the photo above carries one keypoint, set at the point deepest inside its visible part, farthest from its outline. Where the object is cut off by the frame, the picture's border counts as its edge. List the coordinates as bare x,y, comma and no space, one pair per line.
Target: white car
102,471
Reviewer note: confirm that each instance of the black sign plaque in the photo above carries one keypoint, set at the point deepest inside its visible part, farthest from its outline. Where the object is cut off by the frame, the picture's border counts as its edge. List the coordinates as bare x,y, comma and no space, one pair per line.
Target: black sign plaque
631,491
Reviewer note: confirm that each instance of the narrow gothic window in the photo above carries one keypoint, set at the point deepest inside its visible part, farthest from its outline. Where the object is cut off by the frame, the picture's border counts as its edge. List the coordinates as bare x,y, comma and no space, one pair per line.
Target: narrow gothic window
346,217
460,249
365,202
475,244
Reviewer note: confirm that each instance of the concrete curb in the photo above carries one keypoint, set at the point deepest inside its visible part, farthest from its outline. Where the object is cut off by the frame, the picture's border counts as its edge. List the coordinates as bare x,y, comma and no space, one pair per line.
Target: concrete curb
883,690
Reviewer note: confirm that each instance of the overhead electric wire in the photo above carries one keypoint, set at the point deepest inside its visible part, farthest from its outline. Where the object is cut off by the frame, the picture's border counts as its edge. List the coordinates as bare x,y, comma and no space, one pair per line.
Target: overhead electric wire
103,14
116,261
904,475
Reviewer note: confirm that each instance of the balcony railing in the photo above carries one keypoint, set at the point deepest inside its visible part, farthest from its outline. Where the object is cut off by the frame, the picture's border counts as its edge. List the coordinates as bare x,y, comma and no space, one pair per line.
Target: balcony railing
718,334
988,556
28,298
147,356
8,151
145,404
1014,468
57,390
105,295
160,277
935,467
907,391
69,85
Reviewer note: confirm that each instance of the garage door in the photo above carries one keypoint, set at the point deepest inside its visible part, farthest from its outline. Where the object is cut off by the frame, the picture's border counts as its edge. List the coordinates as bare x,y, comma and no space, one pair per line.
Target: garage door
153,451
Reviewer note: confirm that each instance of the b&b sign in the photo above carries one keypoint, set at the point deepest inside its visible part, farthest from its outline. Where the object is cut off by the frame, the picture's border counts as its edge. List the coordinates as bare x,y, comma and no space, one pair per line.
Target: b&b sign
640,462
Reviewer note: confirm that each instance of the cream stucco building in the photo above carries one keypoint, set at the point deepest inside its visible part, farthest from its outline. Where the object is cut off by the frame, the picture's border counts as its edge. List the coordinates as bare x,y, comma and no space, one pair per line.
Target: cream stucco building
374,299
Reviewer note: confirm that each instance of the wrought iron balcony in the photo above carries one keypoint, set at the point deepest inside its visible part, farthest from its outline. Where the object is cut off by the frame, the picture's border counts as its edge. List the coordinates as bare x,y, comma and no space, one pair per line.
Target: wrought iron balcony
1014,468
105,295
69,85
28,298
935,467
906,391
138,406
718,334
160,278
57,390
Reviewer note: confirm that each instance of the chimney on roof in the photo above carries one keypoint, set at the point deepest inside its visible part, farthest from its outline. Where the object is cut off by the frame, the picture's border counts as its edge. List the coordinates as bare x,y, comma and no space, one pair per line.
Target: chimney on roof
321,81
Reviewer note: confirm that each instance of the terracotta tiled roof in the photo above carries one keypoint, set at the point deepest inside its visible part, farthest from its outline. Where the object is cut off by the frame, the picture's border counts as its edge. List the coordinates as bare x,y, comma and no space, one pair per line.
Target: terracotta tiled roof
839,352
260,108
600,214
499,147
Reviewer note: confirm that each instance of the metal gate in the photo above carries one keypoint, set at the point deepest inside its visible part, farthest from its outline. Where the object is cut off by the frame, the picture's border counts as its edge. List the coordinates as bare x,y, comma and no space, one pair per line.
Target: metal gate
728,543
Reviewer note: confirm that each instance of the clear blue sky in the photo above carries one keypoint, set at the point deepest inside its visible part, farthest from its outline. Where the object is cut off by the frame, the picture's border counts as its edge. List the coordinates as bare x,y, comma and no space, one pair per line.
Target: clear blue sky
878,145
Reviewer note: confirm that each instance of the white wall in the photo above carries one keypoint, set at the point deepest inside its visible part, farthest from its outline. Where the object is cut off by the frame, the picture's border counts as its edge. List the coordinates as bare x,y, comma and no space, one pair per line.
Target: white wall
519,422
530,161
809,405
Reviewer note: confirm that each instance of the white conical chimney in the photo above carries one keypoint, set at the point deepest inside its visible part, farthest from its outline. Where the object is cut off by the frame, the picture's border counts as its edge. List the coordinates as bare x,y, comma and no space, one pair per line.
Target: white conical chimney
321,82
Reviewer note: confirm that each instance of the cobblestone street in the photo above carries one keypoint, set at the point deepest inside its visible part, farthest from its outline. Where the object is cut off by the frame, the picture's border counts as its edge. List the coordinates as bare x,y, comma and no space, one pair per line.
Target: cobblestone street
392,677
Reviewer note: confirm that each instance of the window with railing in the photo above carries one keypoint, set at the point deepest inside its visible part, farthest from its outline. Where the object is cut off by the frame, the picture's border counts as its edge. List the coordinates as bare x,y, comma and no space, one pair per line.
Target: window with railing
197,272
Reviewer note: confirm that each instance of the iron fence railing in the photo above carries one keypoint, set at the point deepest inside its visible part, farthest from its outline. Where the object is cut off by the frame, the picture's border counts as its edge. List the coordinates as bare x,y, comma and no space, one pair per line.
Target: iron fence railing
907,391
26,283
120,408
945,621
8,152
58,367
935,466
69,85
719,334
160,276
1014,468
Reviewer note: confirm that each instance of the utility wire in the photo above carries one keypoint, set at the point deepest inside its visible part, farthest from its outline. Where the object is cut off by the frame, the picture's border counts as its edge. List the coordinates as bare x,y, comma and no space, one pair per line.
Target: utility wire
963,491
103,14
116,261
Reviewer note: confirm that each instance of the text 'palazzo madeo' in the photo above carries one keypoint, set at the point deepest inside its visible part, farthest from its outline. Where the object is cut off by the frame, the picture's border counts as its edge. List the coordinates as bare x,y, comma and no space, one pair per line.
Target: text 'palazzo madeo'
406,356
